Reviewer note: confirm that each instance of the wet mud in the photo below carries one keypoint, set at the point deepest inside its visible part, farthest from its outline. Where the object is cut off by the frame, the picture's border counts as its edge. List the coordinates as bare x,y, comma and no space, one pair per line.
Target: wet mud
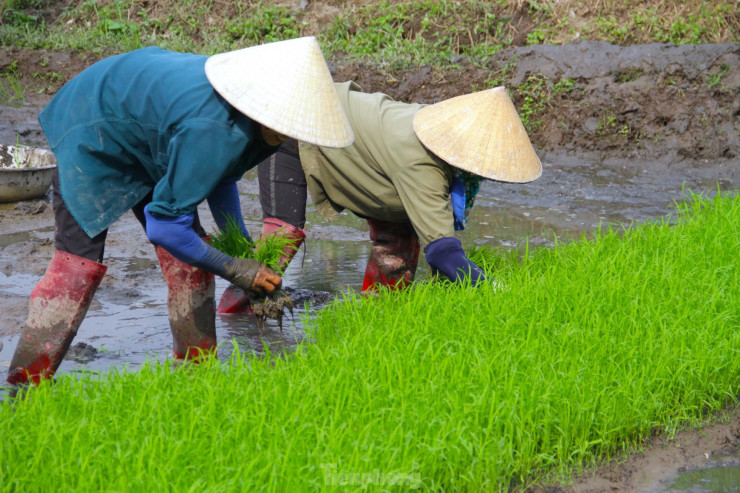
645,127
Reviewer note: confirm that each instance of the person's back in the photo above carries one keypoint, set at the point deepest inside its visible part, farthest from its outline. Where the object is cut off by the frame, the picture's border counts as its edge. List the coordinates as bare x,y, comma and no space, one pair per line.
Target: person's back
386,174
152,87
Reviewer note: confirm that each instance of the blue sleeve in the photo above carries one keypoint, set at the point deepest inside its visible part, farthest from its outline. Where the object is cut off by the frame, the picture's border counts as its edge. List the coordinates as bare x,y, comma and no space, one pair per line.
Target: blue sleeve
457,196
448,257
176,235
224,203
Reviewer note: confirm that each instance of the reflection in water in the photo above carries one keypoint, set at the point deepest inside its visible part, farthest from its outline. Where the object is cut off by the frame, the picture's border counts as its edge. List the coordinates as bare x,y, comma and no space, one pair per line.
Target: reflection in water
719,479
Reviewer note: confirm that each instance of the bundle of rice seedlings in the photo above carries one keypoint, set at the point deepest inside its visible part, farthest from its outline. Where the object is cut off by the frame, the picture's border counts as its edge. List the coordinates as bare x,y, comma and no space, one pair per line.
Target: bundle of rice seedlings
267,250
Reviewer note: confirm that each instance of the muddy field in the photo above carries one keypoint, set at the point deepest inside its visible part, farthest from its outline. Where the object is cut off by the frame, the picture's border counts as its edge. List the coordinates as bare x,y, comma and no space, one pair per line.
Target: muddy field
643,126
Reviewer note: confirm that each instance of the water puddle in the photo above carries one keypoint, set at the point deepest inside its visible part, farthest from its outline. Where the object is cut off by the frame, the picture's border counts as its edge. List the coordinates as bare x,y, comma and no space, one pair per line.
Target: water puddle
717,479
720,475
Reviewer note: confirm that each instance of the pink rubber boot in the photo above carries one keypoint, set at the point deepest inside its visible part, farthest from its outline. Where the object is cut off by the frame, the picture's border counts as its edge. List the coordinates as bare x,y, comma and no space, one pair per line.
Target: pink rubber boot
58,304
191,307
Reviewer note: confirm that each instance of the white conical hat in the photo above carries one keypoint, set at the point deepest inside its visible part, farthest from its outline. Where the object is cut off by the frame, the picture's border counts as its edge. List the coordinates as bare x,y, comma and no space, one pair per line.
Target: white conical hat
285,86
480,133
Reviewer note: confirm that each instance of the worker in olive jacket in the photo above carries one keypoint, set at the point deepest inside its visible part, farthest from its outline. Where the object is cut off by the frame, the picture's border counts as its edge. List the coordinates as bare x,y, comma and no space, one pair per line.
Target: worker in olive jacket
413,172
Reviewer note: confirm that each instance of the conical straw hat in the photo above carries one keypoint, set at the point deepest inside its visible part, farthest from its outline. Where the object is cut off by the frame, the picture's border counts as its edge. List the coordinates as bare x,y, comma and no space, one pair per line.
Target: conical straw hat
287,87
480,133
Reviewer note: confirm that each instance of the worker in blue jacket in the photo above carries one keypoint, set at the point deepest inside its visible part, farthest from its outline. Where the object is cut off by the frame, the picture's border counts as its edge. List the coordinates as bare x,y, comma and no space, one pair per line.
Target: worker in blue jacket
158,133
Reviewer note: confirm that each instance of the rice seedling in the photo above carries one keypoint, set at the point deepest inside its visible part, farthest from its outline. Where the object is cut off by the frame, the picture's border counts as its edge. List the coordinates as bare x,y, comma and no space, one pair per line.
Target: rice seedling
592,347
267,250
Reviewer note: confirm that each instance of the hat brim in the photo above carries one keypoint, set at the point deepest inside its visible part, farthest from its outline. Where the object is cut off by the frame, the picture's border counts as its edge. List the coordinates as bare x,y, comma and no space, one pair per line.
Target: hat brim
480,133
285,86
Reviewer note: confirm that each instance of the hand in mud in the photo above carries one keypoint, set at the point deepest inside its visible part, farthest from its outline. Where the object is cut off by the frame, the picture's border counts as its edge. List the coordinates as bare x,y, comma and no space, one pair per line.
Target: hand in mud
253,277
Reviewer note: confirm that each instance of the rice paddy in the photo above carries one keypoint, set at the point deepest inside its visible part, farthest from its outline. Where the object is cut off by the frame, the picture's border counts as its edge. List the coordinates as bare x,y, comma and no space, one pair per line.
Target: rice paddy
574,355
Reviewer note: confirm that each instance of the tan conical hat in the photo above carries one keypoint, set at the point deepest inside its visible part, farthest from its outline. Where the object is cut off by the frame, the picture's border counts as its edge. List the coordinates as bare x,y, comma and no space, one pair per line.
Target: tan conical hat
480,133
285,86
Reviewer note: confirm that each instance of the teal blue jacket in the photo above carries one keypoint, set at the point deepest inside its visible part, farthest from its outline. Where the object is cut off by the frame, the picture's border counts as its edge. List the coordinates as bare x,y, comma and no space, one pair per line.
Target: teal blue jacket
141,121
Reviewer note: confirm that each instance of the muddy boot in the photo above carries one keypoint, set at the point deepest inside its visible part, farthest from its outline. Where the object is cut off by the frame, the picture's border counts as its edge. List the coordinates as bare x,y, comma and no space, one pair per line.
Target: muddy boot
234,300
394,255
191,307
57,307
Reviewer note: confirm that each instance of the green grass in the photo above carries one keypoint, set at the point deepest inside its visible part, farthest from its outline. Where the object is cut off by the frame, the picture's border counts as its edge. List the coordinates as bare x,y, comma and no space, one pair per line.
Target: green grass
576,354
392,34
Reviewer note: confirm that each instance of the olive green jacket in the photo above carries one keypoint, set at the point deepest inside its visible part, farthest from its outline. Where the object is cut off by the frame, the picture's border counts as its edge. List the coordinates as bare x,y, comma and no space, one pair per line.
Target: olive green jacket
386,174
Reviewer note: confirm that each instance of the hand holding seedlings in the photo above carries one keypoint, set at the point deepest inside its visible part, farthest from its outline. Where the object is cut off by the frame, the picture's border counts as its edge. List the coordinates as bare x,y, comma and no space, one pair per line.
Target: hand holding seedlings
258,287
253,276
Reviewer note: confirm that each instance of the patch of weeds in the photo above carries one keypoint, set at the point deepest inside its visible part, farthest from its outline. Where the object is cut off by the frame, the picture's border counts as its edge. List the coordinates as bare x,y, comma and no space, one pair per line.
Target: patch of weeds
704,22
50,79
628,75
264,24
419,32
714,79
11,88
536,37
607,125
535,95
499,77
112,18
611,125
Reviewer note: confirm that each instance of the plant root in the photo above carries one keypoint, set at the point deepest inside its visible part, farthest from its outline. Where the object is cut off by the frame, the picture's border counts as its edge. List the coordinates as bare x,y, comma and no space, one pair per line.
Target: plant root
272,306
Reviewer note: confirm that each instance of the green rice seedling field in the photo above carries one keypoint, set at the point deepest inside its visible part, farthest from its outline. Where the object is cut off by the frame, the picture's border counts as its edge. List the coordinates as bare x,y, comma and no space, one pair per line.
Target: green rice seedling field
576,354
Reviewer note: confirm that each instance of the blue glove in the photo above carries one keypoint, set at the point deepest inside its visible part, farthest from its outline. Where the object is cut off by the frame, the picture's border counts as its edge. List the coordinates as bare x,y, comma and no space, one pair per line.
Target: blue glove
448,257
177,236
224,202
457,195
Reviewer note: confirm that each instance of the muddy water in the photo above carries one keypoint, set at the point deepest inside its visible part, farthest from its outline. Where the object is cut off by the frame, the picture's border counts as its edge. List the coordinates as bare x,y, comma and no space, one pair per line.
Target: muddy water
716,479
128,324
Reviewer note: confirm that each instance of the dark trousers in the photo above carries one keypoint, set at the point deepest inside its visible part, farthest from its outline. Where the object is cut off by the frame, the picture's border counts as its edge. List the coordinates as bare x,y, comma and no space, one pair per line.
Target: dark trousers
69,236
282,185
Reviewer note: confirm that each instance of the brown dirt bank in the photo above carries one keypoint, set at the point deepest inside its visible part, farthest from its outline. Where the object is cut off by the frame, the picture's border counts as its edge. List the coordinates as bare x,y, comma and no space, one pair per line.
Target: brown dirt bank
656,101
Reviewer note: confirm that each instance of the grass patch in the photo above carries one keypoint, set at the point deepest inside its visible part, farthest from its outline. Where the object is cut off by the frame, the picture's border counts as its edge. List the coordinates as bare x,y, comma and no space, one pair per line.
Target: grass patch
577,354
397,35
390,33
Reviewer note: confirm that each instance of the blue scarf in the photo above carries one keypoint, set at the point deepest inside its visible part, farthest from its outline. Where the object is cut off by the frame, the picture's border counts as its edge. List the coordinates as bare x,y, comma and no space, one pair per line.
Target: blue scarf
465,187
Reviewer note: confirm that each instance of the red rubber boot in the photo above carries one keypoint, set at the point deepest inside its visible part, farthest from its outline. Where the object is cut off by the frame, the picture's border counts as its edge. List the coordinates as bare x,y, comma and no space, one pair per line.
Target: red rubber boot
58,304
191,307
234,300
394,255
272,226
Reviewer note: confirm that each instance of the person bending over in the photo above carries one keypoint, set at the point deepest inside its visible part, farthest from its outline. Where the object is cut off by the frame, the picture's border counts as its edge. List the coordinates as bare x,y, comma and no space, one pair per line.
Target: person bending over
412,172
